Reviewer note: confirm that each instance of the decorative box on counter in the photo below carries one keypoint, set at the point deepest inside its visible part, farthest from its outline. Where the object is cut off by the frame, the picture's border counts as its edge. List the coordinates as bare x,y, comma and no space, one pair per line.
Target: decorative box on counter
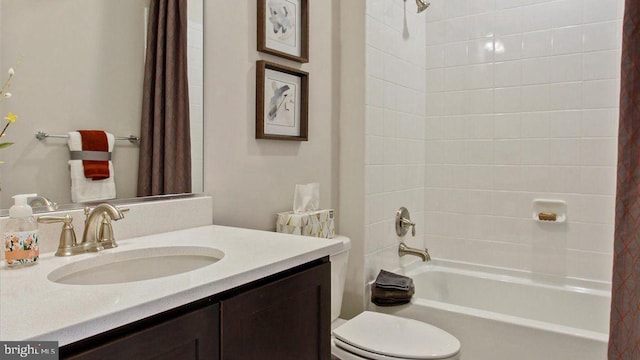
317,223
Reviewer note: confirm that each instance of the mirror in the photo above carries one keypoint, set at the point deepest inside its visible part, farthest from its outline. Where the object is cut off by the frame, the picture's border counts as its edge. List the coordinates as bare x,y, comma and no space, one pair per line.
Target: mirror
81,67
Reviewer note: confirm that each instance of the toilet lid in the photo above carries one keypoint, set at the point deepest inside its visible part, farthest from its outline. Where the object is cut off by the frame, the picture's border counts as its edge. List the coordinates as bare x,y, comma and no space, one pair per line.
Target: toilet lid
396,337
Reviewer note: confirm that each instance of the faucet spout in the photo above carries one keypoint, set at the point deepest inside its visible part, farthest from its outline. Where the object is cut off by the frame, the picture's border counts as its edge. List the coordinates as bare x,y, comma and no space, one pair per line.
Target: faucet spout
406,250
91,236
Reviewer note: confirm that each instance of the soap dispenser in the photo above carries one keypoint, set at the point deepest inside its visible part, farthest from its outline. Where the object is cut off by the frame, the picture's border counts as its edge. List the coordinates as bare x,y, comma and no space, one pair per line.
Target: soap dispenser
21,234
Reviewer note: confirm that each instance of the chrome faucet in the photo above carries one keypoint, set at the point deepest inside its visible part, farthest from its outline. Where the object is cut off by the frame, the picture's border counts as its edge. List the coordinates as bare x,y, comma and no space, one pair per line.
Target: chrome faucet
405,250
98,232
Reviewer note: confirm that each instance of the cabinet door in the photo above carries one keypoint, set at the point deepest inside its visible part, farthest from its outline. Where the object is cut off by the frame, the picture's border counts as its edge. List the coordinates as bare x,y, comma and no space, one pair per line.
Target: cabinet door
191,336
286,319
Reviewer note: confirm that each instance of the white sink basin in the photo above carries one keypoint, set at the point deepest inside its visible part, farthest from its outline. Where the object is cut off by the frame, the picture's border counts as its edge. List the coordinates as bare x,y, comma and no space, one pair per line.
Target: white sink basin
135,265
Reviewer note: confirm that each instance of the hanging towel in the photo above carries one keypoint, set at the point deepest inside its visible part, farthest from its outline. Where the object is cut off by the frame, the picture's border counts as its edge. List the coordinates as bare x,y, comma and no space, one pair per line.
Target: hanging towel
95,140
84,189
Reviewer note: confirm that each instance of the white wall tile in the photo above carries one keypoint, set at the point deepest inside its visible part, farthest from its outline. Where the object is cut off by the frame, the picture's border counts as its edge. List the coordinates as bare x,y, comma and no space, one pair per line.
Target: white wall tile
600,10
567,40
564,179
536,71
601,94
434,56
564,151
601,65
480,51
598,180
600,122
507,126
566,13
536,17
456,8
565,124
565,96
566,68
456,54
481,101
481,25
535,98
536,44
400,72
504,101
535,125
508,4
480,76
508,21
456,78
508,73
481,6
481,126
599,151
508,47
535,152
456,30
602,36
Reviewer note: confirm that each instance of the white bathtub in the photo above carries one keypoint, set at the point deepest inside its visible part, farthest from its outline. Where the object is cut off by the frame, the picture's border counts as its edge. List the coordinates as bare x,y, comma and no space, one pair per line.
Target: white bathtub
500,314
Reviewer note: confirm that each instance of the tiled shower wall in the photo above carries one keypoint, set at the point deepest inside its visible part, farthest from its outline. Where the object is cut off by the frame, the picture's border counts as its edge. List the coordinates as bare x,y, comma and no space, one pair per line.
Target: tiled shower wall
522,103
395,128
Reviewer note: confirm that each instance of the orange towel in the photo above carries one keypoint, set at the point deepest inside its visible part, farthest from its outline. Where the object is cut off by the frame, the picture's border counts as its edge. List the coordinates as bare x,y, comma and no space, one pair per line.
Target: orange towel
95,140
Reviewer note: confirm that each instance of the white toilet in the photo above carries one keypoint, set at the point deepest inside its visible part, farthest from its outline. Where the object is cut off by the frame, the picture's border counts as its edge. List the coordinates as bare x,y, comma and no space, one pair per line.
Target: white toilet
378,336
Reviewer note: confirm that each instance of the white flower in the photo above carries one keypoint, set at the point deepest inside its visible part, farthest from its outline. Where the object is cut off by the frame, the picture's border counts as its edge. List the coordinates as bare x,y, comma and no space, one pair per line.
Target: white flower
7,95
11,71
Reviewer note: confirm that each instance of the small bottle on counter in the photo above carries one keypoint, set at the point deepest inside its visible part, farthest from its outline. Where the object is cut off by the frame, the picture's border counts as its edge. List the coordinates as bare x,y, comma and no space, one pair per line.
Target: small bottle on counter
20,236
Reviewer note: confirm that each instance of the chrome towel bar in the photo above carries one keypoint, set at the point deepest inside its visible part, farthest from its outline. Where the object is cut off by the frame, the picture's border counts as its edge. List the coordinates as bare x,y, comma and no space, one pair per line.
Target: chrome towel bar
40,135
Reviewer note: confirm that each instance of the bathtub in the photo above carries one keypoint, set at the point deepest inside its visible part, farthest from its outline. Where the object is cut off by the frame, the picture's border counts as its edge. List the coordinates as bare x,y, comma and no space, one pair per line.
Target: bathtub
500,314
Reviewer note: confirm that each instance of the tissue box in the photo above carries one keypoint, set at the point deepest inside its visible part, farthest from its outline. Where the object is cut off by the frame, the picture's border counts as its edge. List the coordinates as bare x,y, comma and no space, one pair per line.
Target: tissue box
317,223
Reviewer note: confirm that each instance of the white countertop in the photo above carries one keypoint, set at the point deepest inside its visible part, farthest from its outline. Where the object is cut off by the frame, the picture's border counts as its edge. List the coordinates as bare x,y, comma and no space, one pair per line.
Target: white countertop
35,308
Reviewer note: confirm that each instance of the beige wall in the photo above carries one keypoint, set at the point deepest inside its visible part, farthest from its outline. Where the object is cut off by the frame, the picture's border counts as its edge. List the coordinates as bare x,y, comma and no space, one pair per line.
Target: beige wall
251,180
352,146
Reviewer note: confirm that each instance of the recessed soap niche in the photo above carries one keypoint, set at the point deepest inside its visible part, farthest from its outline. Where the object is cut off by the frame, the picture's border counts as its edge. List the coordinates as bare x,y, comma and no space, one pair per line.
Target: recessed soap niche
549,211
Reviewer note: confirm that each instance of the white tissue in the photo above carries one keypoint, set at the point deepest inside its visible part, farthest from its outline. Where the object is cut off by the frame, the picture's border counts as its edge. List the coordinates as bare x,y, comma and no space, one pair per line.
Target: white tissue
306,197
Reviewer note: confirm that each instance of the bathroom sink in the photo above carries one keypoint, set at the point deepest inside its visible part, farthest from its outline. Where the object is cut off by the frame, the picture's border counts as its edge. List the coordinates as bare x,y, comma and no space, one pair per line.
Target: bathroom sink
135,265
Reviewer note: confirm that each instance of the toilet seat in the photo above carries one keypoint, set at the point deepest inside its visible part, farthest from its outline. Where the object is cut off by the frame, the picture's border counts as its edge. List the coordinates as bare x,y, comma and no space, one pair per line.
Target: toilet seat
386,337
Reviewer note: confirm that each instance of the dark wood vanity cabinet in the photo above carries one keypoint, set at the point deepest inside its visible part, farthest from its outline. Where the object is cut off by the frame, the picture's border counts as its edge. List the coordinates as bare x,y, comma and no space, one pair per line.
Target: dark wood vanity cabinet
284,316
194,335
285,319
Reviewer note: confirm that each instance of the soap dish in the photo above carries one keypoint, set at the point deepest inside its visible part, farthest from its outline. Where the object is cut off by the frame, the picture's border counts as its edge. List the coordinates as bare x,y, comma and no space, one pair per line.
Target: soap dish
549,211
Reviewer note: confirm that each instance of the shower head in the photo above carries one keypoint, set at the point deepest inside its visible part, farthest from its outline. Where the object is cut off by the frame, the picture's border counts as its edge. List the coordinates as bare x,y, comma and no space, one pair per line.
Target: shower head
421,4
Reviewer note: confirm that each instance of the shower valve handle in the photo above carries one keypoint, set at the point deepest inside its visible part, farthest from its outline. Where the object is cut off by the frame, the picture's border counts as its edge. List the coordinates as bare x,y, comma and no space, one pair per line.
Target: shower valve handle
407,223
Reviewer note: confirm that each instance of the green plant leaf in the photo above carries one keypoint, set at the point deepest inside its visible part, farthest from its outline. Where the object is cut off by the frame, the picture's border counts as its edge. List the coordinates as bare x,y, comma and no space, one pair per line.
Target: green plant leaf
5,144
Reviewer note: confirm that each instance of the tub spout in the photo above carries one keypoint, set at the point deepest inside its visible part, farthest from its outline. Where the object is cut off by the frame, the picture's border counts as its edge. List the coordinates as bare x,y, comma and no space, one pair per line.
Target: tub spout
405,250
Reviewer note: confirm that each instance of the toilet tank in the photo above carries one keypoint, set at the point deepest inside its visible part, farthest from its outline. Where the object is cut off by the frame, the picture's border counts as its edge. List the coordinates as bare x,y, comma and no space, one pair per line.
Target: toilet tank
339,262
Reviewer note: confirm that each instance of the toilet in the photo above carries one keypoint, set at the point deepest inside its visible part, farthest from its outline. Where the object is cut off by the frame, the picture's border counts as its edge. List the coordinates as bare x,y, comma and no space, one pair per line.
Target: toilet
377,336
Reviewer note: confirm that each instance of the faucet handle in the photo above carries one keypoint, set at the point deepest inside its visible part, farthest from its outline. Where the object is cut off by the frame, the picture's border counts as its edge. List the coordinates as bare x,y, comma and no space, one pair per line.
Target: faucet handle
407,223
105,233
68,243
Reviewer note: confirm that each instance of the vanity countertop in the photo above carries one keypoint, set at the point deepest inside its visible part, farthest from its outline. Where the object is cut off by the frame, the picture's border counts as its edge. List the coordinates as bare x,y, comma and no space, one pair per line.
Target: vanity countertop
35,308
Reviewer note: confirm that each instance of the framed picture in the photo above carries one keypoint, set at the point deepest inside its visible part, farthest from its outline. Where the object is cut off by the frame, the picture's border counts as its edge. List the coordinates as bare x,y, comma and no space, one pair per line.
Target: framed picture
282,98
283,28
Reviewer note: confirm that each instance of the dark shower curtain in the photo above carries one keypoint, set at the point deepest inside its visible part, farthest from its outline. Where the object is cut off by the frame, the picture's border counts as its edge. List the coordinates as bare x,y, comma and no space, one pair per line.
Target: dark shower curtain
165,145
624,338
